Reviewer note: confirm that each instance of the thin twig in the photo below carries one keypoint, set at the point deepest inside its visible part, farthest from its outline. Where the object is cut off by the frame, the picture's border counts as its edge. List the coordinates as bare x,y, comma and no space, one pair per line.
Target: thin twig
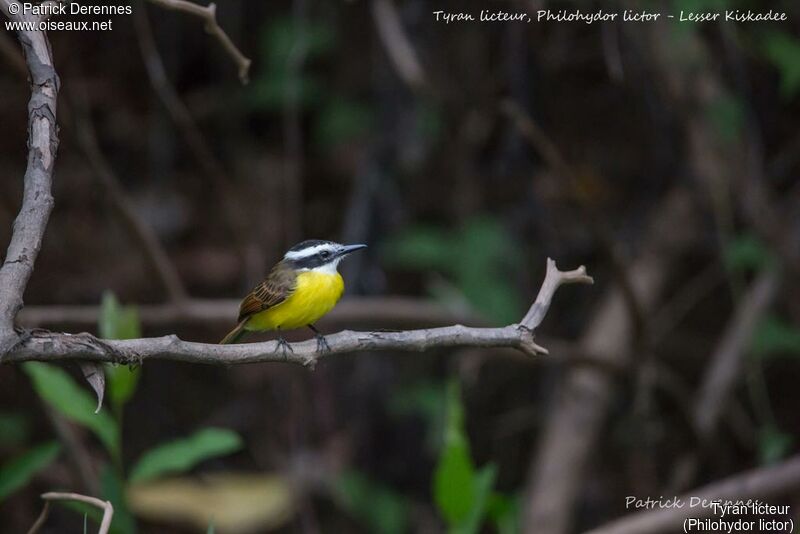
397,44
37,201
145,235
209,15
49,346
552,156
39,523
105,506
209,164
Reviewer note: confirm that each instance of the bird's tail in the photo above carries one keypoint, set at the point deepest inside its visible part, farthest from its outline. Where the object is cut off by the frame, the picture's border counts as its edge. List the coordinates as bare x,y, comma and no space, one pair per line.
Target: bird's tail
234,335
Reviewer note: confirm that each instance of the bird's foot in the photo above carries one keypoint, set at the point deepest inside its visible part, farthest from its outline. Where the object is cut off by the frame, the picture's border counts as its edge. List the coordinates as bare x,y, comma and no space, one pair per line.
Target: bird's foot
322,344
284,347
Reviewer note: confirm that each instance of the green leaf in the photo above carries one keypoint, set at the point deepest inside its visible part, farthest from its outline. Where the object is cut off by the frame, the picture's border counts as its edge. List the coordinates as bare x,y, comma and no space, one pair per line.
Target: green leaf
119,322
481,491
776,336
183,454
773,444
116,321
783,51
271,94
380,508
59,391
747,252
122,382
421,247
113,489
210,529
453,482
454,477
283,35
282,42
480,258
504,513
18,471
487,263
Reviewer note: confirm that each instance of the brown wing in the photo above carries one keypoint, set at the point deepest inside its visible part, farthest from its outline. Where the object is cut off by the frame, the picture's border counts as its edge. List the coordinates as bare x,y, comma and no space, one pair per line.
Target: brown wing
280,283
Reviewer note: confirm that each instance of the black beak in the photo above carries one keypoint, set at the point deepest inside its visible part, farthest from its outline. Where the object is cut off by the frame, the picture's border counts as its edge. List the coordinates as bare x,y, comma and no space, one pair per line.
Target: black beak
347,249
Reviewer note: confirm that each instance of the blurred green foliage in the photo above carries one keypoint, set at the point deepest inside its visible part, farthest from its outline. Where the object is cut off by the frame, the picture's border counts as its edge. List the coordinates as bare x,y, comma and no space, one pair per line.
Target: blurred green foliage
62,394
464,494
14,429
57,388
183,454
112,486
18,471
425,399
747,252
783,51
727,114
480,258
380,508
773,444
776,336
292,49
283,42
119,322
341,120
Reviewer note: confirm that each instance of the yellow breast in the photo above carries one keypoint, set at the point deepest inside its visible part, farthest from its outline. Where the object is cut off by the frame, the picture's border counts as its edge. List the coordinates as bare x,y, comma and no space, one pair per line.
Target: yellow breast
315,295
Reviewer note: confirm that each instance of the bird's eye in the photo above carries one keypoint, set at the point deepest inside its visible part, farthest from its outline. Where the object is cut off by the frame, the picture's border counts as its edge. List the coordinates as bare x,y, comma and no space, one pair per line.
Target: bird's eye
325,254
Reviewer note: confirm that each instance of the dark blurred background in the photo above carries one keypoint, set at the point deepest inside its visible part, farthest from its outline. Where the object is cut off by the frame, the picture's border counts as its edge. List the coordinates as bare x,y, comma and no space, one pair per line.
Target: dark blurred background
663,156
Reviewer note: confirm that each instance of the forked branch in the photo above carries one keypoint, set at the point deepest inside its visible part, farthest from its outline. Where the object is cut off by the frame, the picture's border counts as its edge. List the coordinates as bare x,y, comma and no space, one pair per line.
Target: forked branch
209,15
50,346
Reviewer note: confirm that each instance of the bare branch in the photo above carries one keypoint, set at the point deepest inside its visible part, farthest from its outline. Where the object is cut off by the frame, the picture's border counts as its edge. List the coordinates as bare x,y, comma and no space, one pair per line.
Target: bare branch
762,483
209,15
105,506
37,201
49,346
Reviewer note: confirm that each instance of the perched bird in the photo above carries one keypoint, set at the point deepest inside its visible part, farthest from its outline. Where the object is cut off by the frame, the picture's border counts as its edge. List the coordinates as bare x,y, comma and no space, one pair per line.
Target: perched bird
300,289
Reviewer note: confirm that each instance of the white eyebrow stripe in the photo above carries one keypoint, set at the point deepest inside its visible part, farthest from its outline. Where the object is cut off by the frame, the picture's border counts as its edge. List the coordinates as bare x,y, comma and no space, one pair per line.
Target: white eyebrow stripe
307,252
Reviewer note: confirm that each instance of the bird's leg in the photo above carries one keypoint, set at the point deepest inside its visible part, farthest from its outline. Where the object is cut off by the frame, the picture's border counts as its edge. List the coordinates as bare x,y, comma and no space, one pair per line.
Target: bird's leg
283,346
322,343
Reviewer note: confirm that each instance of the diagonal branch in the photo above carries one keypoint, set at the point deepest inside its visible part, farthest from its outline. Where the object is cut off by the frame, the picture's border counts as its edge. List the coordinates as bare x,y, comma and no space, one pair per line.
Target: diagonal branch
37,201
145,235
209,15
397,44
50,346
